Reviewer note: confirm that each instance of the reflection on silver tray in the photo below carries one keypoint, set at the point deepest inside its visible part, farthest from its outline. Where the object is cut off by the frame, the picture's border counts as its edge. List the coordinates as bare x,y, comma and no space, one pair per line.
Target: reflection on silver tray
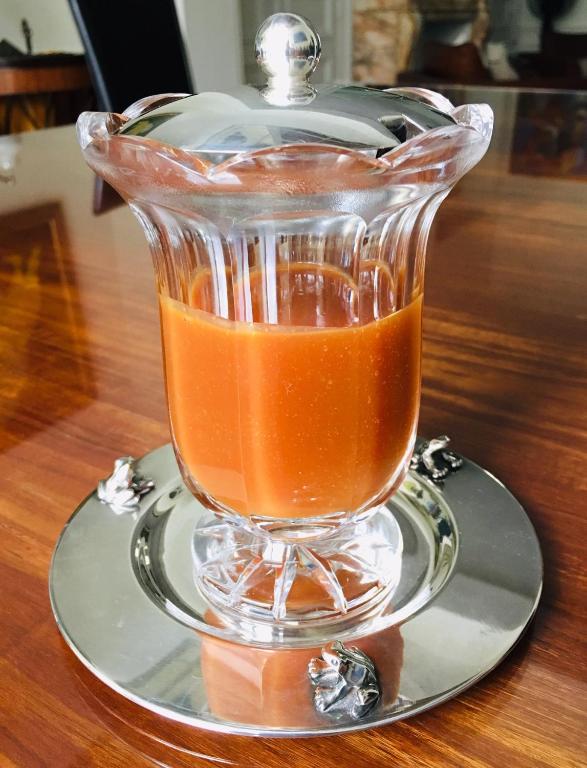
123,593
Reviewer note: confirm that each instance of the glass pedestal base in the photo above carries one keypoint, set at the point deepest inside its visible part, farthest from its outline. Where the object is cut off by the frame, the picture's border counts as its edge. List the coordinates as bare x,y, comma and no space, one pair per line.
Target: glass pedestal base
275,577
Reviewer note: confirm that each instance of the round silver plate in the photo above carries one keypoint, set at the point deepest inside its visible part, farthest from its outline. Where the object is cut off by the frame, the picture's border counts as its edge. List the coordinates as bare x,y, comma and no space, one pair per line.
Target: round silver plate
124,598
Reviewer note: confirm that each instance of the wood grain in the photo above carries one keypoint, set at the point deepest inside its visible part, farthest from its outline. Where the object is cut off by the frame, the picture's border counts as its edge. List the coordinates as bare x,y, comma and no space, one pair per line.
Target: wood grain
43,79
81,383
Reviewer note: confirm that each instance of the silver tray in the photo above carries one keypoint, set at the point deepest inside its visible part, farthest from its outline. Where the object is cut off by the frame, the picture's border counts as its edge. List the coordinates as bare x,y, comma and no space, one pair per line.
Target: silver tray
124,598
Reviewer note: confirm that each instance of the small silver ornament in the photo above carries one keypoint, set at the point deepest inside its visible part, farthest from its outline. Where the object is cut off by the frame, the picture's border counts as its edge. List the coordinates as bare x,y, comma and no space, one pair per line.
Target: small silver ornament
433,460
123,489
345,682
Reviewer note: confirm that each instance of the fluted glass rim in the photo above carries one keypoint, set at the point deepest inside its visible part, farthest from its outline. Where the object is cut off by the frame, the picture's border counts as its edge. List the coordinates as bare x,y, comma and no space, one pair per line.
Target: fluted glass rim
440,156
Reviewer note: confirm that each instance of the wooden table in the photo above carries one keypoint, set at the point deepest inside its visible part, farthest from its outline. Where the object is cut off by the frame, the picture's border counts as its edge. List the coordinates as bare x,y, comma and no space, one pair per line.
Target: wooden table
81,383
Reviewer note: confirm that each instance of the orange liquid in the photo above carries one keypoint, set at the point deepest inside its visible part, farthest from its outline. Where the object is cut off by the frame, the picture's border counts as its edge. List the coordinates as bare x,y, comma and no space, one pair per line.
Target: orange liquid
292,421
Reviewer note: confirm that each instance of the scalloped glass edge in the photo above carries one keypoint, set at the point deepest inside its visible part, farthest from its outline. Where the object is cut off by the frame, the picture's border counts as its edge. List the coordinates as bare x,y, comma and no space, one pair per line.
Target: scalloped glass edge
440,156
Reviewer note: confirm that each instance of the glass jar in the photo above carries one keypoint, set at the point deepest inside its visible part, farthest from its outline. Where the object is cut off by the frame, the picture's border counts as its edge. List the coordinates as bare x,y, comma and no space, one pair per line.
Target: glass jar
288,226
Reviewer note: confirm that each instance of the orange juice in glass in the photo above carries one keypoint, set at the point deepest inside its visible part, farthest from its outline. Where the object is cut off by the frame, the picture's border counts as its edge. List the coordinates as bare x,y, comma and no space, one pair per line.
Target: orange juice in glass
288,225
313,416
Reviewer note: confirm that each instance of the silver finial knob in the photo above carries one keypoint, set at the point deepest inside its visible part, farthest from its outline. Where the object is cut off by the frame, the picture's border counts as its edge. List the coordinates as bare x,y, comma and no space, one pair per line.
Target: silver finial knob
287,49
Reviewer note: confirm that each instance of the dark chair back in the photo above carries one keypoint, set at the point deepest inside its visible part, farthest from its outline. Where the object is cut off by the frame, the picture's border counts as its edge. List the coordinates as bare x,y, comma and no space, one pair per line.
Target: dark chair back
134,48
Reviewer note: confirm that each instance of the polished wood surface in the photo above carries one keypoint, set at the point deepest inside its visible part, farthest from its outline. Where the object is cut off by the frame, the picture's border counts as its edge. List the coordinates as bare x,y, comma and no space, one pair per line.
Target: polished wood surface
81,383
43,79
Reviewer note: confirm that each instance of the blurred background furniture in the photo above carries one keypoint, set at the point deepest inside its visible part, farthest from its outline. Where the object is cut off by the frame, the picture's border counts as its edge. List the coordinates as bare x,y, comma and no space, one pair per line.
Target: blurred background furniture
452,63
563,44
40,91
134,48
533,43
449,30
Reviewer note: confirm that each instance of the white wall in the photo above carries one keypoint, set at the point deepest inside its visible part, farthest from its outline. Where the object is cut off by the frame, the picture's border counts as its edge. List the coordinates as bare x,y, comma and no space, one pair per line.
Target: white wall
51,22
213,35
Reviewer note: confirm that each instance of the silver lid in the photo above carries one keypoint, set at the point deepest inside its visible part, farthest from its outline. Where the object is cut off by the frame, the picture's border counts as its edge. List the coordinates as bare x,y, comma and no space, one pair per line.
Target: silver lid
288,109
